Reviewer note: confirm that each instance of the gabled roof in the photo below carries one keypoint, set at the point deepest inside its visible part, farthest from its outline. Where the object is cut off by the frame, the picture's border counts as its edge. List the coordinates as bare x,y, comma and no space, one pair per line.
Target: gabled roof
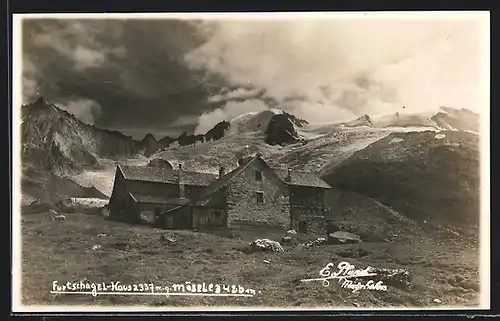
224,180
162,175
299,178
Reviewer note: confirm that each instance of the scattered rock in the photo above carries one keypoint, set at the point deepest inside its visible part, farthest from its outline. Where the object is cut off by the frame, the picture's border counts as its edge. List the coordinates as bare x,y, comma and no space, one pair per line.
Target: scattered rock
265,245
291,232
318,241
342,237
166,239
267,261
286,240
96,247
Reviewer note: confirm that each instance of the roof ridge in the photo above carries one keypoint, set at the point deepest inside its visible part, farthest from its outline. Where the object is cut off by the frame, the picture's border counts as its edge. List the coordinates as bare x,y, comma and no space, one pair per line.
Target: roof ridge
203,196
294,170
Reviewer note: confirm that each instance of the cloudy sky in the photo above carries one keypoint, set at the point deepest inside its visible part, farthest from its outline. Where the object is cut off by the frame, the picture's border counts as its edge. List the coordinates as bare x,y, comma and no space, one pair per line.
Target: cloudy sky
167,76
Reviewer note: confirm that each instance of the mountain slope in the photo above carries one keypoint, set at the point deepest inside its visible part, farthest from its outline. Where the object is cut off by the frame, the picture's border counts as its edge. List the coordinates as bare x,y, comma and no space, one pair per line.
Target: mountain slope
422,175
55,140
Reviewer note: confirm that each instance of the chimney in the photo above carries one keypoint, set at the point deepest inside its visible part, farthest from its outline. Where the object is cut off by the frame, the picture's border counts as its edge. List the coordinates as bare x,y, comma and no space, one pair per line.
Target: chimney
289,176
222,171
180,182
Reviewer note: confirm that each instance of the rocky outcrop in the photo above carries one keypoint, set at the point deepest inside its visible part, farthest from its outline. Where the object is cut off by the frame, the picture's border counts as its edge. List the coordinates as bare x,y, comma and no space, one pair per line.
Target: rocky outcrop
55,140
281,131
160,163
218,131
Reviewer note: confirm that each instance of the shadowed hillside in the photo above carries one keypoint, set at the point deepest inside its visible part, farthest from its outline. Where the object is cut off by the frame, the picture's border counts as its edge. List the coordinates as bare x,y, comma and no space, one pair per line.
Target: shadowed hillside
422,175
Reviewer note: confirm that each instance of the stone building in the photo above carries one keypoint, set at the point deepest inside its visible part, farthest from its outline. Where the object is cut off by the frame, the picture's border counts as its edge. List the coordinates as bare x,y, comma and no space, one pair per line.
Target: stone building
148,191
253,194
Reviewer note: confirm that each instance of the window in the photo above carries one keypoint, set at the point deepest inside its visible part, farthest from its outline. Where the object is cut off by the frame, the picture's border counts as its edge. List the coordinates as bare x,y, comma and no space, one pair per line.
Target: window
260,197
302,227
258,175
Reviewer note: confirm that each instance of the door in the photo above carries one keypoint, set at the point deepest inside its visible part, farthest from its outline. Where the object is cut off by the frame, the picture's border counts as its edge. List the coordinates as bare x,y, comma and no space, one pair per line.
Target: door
302,227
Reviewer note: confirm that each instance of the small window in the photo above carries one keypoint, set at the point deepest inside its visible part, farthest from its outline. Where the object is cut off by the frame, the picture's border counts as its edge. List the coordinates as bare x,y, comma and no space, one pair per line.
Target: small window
258,175
260,197
302,227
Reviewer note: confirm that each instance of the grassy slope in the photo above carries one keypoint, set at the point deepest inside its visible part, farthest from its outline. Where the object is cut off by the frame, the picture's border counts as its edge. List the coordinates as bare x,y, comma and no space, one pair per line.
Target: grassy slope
56,250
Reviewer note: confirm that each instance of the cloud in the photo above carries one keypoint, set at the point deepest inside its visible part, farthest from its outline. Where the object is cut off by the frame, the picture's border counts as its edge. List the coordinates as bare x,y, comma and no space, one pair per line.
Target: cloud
85,110
342,67
132,68
229,111
76,41
87,58
239,94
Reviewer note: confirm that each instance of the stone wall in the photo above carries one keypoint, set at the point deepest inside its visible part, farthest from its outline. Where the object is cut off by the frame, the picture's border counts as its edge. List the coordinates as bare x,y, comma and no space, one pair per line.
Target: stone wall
243,206
313,218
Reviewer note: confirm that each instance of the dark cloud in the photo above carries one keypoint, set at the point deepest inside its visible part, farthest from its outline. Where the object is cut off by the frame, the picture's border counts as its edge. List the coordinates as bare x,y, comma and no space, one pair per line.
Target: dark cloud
133,70
169,76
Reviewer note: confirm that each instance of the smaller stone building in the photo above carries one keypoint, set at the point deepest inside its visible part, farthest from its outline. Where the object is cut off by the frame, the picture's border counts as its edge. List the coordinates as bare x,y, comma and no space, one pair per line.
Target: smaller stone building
148,191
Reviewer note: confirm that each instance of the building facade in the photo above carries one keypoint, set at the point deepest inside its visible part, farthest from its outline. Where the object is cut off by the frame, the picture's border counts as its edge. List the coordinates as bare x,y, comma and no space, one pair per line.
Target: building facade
253,194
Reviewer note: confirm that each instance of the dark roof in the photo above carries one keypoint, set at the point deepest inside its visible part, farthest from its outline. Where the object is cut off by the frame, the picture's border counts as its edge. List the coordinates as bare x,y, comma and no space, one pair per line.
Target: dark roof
158,199
163,175
212,188
299,178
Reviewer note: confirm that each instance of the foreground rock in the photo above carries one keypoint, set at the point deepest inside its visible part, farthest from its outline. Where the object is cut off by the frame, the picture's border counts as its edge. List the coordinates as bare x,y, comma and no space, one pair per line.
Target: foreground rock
286,240
265,245
165,239
341,237
318,241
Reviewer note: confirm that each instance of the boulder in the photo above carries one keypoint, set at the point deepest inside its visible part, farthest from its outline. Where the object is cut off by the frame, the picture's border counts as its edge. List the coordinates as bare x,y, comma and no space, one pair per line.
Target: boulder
166,239
341,237
265,245
286,240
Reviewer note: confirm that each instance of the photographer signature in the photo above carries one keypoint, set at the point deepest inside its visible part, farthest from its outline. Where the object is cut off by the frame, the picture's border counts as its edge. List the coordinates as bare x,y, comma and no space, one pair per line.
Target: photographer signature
345,273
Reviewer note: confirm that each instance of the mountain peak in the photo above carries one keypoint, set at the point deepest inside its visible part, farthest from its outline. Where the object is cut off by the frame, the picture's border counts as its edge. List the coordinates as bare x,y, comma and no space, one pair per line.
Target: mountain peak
149,137
41,102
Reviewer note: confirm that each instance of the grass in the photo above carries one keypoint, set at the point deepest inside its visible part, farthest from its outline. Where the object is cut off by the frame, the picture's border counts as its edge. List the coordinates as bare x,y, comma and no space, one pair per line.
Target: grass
62,251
